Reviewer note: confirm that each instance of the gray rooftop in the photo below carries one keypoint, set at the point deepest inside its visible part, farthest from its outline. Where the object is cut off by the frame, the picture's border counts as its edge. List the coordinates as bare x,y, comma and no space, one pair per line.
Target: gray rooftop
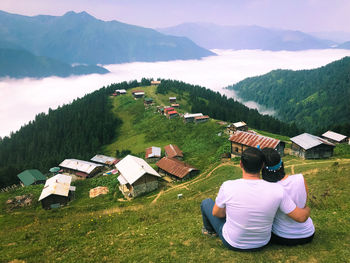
308,141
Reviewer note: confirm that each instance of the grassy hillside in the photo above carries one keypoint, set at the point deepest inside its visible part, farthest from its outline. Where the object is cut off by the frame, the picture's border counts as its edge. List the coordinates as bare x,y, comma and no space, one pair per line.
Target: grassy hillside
159,227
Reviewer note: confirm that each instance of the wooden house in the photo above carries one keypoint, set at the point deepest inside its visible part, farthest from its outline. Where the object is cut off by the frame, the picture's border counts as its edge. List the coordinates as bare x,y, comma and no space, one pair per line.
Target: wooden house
334,137
189,117
137,94
172,114
153,154
120,91
241,140
175,105
176,168
155,82
104,160
57,191
172,99
80,168
137,177
167,109
200,119
172,151
31,177
237,126
308,146
148,101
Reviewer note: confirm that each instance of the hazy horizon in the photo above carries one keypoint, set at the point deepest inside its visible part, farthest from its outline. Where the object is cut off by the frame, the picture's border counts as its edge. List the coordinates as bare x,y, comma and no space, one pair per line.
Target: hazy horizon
307,16
22,99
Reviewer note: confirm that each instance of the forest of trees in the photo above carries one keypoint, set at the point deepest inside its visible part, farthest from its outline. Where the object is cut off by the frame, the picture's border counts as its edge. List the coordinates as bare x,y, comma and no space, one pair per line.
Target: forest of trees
316,100
220,107
77,130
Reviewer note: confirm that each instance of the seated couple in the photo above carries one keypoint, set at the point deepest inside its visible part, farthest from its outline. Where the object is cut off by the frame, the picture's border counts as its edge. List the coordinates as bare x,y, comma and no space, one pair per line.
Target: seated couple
248,212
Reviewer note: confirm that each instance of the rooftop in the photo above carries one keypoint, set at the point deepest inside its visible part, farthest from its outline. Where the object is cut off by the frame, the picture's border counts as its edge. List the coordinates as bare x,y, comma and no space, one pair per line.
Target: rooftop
308,141
253,140
175,167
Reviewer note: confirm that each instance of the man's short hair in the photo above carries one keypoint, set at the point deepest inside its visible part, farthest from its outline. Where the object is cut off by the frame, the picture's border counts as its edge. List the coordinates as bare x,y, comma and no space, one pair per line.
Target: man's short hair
252,160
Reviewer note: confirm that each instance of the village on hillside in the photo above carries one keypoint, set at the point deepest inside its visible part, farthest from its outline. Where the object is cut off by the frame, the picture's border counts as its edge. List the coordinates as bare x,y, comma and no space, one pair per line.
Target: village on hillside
161,164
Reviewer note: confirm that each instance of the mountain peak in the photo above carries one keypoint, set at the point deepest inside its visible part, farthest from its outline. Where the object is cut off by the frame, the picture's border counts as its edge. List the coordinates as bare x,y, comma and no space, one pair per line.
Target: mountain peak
75,14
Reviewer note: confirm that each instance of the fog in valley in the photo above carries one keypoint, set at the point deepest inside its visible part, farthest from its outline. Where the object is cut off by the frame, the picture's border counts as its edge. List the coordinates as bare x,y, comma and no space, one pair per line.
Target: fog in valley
22,99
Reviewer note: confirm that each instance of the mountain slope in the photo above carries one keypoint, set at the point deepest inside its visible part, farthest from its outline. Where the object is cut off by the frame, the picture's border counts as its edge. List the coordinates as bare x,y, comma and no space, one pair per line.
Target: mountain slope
213,36
313,99
21,63
81,38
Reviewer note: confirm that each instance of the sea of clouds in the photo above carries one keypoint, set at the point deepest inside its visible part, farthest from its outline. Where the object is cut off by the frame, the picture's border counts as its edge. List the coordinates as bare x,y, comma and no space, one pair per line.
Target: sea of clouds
21,100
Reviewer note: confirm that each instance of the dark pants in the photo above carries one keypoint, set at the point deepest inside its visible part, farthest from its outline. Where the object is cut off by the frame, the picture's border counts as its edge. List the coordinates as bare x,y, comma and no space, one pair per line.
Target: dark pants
215,224
290,241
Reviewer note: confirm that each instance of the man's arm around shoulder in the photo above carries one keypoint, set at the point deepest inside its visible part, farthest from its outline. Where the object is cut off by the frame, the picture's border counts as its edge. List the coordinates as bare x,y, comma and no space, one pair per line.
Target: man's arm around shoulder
300,214
218,211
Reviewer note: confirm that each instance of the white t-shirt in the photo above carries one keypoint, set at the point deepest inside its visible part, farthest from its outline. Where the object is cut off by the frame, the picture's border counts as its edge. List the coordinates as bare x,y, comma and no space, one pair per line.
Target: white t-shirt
283,225
251,206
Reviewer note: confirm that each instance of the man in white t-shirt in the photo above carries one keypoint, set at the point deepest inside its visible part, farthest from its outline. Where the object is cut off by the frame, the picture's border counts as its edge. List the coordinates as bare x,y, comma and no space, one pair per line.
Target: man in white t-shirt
244,209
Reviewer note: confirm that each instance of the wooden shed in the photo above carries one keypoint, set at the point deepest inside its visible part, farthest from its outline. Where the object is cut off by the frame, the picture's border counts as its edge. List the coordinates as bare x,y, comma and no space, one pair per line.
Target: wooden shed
201,119
237,126
80,168
242,140
334,137
137,177
176,168
308,146
57,191
173,151
138,94
153,154
108,161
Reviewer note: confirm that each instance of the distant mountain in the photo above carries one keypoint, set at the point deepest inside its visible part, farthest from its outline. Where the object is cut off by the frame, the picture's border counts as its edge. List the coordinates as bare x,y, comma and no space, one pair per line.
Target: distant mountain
21,63
336,36
81,38
314,99
345,45
213,36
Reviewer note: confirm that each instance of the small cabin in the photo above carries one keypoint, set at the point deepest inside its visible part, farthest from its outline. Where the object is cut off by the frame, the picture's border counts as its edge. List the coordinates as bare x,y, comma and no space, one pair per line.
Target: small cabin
190,117
200,119
153,154
172,99
155,82
167,109
120,91
104,160
237,126
80,168
137,177
176,168
137,94
334,137
57,191
148,101
241,140
173,151
175,105
31,177
172,114
308,146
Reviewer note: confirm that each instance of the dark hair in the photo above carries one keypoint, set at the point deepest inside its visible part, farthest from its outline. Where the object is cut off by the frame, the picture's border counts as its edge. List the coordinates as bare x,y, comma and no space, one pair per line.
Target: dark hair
252,160
272,160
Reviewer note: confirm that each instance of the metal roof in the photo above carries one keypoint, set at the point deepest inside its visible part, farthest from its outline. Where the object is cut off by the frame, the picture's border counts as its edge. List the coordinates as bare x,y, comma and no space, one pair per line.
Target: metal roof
172,150
192,115
58,185
99,158
132,168
120,90
202,117
153,152
239,124
334,136
79,165
172,112
175,167
253,140
29,177
172,98
139,93
136,91
308,141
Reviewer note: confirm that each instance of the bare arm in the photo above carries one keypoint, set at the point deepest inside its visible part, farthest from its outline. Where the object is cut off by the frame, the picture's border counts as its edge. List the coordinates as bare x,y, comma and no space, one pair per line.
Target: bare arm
300,214
219,212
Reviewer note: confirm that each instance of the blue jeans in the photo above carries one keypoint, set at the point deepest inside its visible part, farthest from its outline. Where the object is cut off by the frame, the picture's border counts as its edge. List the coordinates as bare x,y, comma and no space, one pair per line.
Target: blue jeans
213,223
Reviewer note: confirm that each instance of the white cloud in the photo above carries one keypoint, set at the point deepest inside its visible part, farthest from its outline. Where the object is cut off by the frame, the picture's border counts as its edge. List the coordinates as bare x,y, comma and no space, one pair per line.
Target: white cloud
22,99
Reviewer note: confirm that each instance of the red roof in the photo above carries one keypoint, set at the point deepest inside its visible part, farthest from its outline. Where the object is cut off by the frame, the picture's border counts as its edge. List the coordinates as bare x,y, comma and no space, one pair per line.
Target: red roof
169,109
175,167
253,140
172,112
172,150
201,117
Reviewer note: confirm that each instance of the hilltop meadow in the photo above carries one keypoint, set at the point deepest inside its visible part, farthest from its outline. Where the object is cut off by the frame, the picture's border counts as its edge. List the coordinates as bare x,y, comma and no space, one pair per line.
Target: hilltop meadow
159,227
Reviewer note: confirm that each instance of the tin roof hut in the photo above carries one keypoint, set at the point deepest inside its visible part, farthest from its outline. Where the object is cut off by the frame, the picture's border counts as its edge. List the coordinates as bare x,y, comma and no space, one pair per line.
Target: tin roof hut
31,177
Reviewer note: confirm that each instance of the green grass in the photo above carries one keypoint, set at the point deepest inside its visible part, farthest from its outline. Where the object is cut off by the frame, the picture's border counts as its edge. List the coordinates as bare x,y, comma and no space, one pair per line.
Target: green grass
105,229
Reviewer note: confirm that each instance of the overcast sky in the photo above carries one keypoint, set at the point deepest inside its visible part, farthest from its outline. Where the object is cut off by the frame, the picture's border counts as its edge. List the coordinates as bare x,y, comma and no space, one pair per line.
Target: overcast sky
304,15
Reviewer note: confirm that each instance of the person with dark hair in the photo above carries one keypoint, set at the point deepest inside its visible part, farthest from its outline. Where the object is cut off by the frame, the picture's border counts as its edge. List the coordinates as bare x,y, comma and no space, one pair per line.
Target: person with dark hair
286,231
244,209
